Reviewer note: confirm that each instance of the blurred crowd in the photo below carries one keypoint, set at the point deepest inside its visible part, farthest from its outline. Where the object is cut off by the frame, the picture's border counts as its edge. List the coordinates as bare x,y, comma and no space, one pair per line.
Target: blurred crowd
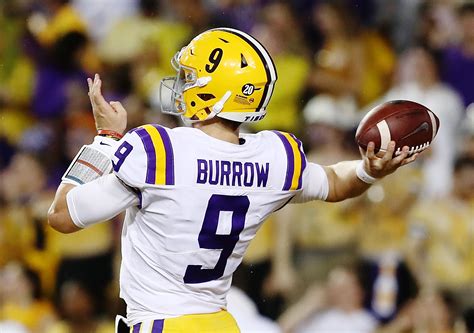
398,259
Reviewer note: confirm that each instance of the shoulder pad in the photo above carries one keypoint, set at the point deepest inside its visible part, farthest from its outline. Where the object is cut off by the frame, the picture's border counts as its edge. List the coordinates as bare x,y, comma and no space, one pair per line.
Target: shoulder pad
145,156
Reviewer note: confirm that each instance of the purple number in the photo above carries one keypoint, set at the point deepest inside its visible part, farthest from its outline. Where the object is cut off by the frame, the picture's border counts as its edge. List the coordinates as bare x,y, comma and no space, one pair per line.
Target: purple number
121,154
208,239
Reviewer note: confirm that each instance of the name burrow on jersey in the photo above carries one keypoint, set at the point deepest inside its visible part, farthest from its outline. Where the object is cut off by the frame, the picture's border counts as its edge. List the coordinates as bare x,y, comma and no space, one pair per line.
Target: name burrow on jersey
232,173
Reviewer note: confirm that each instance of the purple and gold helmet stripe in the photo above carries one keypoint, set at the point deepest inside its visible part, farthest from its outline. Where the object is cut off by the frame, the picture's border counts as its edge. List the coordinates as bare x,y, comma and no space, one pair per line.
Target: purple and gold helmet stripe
160,164
296,161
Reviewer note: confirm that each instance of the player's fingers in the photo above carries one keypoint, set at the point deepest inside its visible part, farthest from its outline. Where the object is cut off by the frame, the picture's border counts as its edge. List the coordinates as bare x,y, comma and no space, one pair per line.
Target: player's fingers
410,159
370,151
389,153
403,155
97,97
118,107
89,84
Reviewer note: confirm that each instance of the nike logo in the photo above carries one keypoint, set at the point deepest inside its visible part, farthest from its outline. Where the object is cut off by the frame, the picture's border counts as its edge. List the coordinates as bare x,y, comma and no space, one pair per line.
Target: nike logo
423,127
104,144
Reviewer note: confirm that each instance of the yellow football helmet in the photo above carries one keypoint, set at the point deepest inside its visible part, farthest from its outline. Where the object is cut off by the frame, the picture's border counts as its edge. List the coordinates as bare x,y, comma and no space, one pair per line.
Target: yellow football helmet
222,72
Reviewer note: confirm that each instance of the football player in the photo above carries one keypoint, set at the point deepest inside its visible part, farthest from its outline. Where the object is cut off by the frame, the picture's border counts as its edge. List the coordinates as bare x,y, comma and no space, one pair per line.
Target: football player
195,196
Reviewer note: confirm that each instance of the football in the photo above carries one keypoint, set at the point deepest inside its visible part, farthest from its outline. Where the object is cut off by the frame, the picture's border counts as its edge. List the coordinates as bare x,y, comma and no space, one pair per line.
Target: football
405,122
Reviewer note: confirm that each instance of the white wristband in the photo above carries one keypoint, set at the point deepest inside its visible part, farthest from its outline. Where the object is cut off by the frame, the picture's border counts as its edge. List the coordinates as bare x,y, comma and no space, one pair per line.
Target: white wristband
363,175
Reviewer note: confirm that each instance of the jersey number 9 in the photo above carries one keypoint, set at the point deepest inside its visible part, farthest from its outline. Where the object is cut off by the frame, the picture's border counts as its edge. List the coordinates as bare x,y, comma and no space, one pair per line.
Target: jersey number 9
209,239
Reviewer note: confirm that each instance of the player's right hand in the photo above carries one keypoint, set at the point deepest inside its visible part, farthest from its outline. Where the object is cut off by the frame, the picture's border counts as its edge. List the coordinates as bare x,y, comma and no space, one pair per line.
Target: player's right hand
108,116
381,166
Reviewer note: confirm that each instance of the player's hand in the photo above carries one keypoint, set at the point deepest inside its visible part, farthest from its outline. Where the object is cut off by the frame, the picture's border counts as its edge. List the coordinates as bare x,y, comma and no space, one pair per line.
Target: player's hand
379,167
108,116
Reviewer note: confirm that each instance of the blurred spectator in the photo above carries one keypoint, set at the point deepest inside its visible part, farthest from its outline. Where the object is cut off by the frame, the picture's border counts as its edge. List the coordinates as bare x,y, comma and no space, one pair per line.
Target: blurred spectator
458,60
437,27
329,309
141,46
100,16
58,19
382,242
78,311
442,253
466,145
339,64
22,302
419,81
195,13
430,312
61,73
238,14
22,229
280,34
246,314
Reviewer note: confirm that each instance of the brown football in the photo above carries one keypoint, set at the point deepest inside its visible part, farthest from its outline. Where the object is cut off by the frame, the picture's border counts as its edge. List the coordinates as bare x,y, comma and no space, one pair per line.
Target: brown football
405,122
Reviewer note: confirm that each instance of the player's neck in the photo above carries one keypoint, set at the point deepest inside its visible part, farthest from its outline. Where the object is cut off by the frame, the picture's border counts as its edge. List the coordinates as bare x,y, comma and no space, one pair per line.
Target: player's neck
219,130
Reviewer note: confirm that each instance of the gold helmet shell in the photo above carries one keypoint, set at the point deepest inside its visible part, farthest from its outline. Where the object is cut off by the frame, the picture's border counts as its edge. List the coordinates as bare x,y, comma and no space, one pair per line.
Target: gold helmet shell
222,72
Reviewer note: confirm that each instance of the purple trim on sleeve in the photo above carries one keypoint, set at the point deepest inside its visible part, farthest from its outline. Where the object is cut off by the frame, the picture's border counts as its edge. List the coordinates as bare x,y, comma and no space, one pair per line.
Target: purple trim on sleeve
291,161
157,326
303,160
150,153
136,328
169,155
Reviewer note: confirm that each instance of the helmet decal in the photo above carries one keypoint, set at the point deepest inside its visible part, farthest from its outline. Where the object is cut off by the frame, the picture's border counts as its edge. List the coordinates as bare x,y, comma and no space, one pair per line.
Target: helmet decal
267,61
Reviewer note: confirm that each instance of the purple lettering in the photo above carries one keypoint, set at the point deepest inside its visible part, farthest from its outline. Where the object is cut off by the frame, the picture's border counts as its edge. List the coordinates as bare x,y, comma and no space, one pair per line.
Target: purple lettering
248,174
262,174
225,173
202,171
213,174
237,173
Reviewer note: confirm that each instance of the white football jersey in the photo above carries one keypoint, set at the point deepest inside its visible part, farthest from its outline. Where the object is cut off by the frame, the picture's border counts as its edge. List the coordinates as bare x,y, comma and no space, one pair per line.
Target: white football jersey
201,202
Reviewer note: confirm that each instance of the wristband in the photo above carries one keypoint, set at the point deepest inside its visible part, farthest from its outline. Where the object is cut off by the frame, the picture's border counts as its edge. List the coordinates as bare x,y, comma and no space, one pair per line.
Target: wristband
363,175
110,134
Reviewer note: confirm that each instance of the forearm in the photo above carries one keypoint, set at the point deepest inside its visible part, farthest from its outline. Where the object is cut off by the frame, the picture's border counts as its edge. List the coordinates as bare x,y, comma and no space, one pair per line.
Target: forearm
344,182
58,214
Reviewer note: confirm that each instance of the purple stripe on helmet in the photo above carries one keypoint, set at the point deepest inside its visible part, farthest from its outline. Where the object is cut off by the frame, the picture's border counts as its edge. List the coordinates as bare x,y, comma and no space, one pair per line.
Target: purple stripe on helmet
291,161
157,326
150,153
303,160
136,328
169,154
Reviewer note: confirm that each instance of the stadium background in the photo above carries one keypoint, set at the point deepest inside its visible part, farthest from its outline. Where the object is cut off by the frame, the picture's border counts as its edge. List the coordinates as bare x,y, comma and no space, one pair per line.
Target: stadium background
404,251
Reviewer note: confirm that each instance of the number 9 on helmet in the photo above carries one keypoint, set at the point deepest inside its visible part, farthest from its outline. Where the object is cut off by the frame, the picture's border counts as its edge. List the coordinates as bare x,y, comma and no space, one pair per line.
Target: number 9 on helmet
222,72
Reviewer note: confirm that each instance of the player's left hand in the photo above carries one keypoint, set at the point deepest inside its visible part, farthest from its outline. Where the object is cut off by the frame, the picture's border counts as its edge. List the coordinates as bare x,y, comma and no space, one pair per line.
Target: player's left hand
108,116
379,167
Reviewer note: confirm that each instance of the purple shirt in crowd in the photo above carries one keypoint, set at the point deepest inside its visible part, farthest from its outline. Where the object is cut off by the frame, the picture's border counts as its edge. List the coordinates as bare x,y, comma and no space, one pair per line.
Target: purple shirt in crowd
458,71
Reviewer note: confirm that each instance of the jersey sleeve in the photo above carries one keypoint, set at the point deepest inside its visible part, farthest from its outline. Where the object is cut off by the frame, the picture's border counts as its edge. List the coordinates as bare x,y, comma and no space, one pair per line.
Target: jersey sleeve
315,185
99,200
295,161
308,180
145,157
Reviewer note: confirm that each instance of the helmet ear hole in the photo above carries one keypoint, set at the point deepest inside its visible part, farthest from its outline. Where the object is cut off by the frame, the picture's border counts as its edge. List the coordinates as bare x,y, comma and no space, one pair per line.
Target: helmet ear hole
206,97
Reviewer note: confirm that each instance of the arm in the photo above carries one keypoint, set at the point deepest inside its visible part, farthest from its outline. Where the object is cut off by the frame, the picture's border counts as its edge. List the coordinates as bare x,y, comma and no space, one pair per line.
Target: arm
58,214
345,181
80,206
107,116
